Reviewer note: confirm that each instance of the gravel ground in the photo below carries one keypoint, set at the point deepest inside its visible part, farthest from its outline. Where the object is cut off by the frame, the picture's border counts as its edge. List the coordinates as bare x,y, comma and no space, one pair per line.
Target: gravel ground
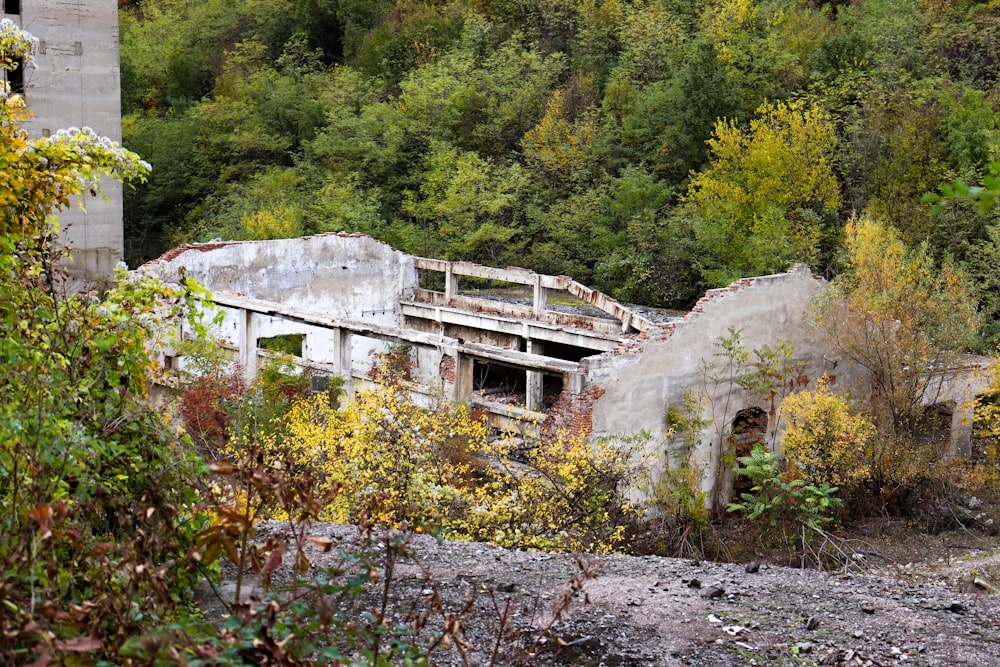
664,611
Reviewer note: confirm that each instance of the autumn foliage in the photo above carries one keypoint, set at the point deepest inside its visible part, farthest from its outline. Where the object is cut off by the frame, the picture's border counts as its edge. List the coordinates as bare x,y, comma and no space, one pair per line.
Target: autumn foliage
826,441
381,457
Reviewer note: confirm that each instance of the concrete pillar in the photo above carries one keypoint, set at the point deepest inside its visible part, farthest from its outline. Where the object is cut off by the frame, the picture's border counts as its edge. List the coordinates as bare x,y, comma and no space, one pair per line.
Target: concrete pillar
246,338
450,284
534,392
540,297
76,83
342,345
464,377
573,382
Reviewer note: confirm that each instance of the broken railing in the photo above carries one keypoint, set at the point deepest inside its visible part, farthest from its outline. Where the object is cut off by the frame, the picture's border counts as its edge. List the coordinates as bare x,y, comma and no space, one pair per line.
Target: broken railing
627,320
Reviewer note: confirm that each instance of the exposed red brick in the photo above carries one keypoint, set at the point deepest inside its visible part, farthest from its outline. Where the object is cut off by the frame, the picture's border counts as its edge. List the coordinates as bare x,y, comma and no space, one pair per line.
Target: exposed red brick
447,368
171,255
573,412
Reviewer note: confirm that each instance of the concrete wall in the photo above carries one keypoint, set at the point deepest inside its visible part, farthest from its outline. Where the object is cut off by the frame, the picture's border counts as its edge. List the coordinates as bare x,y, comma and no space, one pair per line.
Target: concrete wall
76,83
630,389
341,275
638,383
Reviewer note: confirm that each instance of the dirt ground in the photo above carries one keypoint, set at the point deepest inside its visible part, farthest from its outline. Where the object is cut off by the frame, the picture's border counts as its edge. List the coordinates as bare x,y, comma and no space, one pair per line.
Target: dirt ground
921,601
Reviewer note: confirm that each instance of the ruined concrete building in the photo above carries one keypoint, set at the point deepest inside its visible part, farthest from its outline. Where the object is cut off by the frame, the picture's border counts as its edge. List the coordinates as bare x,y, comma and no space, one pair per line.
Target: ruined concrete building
76,83
560,356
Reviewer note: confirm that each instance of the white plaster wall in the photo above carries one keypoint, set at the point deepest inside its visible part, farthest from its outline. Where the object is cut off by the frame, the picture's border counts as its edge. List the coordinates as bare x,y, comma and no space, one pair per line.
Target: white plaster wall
344,275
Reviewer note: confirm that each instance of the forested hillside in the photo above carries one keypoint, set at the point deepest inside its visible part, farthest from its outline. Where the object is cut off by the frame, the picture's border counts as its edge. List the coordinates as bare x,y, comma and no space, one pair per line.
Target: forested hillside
649,148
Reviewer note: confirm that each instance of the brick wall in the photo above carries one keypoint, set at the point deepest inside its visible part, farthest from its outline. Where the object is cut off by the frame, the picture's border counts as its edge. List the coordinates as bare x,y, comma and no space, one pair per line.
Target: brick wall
447,368
573,412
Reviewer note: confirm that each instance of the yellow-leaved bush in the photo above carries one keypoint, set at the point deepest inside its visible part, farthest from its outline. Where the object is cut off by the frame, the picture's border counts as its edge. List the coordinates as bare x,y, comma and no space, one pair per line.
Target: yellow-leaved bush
825,441
986,424
437,469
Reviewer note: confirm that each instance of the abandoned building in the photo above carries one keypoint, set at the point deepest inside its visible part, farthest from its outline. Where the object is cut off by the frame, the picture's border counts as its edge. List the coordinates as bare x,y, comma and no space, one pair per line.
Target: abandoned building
546,352
75,82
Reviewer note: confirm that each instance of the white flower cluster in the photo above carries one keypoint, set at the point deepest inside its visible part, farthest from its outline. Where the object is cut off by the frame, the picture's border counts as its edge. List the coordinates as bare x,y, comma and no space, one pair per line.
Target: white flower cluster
90,147
17,43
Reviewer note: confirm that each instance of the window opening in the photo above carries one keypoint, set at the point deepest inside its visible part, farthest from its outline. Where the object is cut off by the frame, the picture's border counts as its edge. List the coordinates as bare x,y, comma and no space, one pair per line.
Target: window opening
14,77
749,429
552,386
11,6
430,280
934,427
286,343
496,382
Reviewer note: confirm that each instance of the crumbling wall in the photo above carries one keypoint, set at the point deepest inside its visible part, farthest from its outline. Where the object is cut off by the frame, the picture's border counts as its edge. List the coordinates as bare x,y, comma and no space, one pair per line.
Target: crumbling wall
350,297
644,377
641,379
343,275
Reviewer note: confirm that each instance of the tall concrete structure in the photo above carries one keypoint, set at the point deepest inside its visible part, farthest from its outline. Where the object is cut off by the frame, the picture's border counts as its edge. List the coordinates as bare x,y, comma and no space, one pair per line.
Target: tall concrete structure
76,83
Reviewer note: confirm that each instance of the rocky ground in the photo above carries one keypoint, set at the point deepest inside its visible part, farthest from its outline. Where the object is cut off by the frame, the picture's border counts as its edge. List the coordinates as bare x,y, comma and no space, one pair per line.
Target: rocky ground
624,610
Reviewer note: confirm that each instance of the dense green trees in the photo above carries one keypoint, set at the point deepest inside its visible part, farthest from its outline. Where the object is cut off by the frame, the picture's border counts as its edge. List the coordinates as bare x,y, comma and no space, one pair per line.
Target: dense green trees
650,147
767,195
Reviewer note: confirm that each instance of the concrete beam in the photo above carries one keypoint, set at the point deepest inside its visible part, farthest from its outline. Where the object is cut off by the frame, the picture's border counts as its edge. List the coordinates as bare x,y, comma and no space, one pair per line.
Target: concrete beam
249,308
603,327
522,360
510,417
597,341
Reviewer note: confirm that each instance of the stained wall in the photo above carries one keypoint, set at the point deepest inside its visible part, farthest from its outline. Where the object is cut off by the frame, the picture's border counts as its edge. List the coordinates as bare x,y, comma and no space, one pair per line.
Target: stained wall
76,82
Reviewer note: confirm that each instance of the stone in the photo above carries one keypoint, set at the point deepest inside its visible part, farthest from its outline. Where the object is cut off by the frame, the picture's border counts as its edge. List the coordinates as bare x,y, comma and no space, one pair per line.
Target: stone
715,592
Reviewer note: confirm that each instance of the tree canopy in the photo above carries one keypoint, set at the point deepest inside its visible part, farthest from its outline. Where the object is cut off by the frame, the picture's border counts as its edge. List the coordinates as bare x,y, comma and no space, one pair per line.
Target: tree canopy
512,133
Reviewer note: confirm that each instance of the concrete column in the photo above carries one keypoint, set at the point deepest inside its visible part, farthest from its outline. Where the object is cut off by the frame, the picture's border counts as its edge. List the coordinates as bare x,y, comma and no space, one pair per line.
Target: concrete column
450,284
246,338
464,378
76,83
534,392
573,382
540,297
343,350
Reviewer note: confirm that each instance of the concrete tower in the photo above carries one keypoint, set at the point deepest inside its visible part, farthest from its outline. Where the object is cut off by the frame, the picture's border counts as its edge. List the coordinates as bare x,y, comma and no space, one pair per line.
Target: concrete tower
76,83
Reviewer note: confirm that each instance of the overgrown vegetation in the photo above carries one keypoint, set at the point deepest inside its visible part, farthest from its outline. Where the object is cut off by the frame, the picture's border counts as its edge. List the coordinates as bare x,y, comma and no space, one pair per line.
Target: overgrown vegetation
379,457
96,511
107,516
648,148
